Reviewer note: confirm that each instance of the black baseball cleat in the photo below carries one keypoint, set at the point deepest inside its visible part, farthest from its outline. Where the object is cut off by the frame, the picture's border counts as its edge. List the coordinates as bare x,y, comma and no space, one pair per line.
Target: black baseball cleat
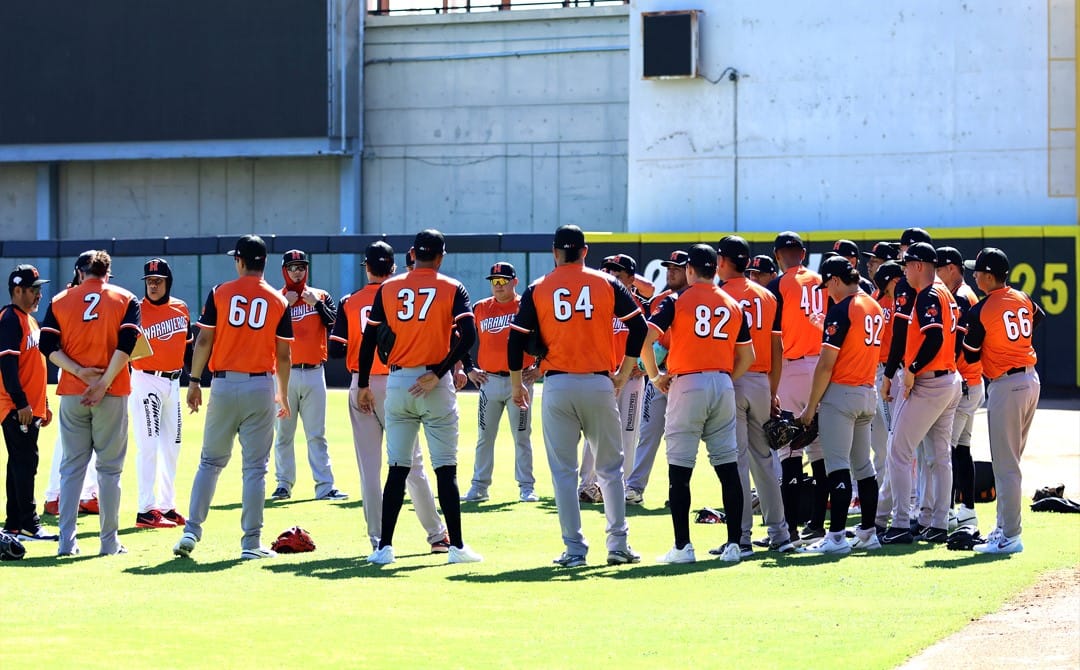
933,535
280,493
897,536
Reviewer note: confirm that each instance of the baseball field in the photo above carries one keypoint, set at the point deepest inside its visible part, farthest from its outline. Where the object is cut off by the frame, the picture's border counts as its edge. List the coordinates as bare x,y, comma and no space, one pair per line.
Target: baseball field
147,609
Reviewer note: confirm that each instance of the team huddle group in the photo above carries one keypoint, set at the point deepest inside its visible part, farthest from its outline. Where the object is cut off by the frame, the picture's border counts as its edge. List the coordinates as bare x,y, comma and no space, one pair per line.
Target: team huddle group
890,369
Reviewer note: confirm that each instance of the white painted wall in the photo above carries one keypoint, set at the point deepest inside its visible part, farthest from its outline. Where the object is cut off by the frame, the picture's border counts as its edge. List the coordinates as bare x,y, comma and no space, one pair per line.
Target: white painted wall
858,115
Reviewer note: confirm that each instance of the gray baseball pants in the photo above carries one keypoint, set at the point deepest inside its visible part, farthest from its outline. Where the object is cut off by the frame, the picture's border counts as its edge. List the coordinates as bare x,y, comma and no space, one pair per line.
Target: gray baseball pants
653,408
101,430
844,418
885,496
367,430
576,405
307,398
437,410
240,406
629,405
753,404
1010,410
701,408
796,380
495,397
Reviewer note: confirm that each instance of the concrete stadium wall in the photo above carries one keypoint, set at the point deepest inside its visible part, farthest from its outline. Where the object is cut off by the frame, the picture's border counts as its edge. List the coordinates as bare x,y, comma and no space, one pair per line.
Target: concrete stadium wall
859,115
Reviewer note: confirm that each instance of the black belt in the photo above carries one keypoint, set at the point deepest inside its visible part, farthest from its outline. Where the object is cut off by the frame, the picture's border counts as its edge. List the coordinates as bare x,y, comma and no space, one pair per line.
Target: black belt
794,359
1015,371
935,373
552,373
307,366
429,368
219,374
698,372
175,374
498,374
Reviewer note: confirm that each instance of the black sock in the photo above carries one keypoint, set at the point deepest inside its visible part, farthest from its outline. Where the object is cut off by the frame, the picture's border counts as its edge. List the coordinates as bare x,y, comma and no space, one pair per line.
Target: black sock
446,480
868,493
731,489
392,497
963,469
839,487
791,469
679,501
821,493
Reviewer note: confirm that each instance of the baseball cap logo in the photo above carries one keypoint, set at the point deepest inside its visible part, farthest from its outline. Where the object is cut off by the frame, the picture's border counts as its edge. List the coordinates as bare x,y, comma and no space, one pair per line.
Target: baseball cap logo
836,245
152,266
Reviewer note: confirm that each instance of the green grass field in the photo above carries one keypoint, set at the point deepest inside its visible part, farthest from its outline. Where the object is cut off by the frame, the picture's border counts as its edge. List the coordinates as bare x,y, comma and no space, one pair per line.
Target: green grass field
147,609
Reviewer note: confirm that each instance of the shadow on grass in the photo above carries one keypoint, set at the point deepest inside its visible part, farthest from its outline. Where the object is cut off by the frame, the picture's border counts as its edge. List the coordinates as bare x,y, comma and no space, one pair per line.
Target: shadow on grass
48,561
484,507
553,573
181,566
348,568
959,559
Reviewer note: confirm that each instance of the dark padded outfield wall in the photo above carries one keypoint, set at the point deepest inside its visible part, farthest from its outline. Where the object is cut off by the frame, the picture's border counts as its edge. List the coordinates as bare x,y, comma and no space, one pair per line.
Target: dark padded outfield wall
160,70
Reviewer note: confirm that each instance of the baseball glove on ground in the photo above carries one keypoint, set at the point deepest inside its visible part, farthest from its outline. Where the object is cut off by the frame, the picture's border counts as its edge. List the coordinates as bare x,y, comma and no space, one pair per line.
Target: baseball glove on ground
781,430
710,515
293,541
806,436
10,548
964,538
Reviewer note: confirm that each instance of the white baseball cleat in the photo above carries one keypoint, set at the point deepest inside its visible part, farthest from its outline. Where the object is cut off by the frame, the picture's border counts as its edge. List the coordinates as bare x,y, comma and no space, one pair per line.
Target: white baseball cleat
1000,543
463,555
731,553
257,553
866,540
965,516
676,555
828,545
383,556
185,546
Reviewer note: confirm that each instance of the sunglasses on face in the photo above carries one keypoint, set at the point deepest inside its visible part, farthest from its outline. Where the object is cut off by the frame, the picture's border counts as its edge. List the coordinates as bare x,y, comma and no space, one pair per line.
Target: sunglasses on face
500,281
296,268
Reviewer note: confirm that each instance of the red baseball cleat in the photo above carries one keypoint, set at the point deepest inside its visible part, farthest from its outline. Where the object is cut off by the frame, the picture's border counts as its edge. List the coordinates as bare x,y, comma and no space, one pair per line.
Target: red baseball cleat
174,516
52,507
89,506
152,519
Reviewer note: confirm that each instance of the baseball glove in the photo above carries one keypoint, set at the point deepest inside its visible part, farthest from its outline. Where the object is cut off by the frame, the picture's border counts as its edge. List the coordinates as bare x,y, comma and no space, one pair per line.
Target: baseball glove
293,541
10,548
964,538
710,515
781,430
807,435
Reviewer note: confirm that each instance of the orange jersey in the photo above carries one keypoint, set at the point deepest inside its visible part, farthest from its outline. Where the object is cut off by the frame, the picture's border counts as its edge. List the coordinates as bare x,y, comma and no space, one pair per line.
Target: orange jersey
572,307
88,319
622,333
309,330
166,327
759,309
887,306
352,318
965,300
798,298
706,325
248,317
421,307
654,307
493,332
934,307
1000,328
854,327
19,338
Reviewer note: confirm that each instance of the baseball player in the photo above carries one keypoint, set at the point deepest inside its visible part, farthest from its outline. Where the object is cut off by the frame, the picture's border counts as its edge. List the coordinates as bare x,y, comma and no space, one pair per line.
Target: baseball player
624,269
849,251
710,347
754,392
999,333
492,377
799,313
886,277
654,403
931,389
90,331
420,308
245,332
24,403
844,397
882,252
761,270
367,428
570,310
313,312
154,403
950,270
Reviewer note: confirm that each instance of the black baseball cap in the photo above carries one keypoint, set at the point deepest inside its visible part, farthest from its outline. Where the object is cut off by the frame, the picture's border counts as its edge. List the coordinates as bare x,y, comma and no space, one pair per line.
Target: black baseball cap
733,247
835,266
84,259
620,262
762,263
788,240
949,256
294,256
569,236
912,235
888,271
886,251
410,259
504,270
157,267
846,248
920,251
379,255
676,260
701,256
428,244
992,260
249,248
25,276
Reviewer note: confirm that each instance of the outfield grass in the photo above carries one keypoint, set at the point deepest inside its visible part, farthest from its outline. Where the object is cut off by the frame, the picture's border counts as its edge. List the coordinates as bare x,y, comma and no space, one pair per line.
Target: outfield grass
330,609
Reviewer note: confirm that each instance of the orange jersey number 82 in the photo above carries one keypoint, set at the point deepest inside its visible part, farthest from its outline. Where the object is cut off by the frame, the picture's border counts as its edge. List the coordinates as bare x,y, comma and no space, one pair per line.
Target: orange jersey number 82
703,321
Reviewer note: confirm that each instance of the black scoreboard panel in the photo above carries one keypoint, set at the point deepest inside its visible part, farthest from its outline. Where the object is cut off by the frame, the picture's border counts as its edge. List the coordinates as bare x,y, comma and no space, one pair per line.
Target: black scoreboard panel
161,70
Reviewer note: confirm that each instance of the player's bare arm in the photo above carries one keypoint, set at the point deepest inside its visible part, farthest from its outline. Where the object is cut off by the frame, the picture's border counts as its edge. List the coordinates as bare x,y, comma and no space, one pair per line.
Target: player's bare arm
284,364
744,358
96,389
822,376
200,354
